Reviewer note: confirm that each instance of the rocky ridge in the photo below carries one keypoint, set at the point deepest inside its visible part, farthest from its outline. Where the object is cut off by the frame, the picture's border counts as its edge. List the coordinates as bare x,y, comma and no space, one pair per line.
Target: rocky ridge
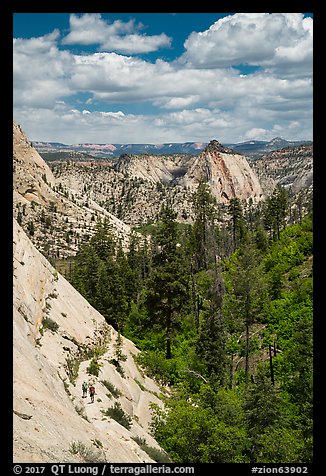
136,186
133,199
57,218
64,203
154,168
228,174
291,168
251,148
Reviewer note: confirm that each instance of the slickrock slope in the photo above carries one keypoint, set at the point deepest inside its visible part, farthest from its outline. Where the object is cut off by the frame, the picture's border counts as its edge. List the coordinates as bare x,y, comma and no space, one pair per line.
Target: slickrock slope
56,334
134,199
228,174
56,218
32,177
290,167
154,168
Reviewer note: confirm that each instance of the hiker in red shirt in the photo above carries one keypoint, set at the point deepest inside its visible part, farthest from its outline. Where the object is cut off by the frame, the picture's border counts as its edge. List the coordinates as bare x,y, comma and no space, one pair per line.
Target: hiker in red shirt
92,392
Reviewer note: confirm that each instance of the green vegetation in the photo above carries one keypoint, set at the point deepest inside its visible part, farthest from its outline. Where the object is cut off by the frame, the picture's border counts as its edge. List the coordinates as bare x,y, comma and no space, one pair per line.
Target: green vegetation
118,414
87,453
222,313
157,455
72,366
50,324
111,388
31,228
94,367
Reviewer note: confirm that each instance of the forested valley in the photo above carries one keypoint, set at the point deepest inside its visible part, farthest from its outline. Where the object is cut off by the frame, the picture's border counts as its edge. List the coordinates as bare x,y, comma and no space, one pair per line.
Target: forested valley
222,311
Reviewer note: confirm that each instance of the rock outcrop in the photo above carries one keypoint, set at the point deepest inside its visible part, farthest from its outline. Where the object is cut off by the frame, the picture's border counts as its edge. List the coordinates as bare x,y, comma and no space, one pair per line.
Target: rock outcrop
57,218
33,179
228,174
154,168
137,185
56,334
291,167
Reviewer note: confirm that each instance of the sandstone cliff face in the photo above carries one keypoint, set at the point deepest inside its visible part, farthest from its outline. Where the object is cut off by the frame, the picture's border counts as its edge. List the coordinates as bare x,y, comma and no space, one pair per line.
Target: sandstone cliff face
137,186
290,167
51,422
128,194
32,178
229,175
61,217
154,168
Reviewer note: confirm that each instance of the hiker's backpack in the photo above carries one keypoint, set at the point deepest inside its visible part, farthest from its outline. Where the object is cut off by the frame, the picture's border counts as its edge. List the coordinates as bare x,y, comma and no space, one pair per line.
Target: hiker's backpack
91,390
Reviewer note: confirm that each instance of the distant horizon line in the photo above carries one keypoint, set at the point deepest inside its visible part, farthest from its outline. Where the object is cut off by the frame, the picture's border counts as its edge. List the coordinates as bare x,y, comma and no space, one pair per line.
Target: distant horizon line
249,141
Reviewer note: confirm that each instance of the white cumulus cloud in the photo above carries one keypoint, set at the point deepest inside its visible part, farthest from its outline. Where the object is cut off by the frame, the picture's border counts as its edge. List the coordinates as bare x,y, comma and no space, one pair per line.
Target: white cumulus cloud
199,96
281,41
122,37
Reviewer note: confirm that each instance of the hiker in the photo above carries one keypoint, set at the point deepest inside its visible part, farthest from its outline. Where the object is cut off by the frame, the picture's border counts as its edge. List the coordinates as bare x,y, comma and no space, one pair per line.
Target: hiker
84,388
92,392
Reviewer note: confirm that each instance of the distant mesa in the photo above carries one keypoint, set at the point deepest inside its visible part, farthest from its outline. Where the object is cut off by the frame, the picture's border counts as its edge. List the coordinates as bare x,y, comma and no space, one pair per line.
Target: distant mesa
252,148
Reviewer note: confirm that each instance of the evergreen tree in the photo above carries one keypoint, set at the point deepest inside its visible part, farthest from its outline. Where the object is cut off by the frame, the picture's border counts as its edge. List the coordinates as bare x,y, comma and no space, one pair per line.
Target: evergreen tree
261,238
203,230
275,211
246,294
296,375
31,228
103,240
111,298
237,222
211,344
211,341
167,283
263,407
84,272
19,217
126,277
138,263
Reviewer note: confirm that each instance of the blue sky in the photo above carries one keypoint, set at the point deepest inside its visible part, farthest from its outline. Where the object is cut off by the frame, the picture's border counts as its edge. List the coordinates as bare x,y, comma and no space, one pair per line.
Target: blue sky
163,77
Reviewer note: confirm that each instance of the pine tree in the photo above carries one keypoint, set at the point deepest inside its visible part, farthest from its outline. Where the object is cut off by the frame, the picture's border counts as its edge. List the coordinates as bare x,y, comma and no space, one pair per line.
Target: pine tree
31,228
203,230
246,294
211,341
167,283
276,211
103,241
263,407
138,262
84,272
237,222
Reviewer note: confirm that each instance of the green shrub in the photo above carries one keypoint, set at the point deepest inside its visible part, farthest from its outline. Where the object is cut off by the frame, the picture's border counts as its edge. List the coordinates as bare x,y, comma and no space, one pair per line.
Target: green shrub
49,323
141,386
94,367
97,443
72,365
118,349
95,351
155,454
112,389
163,370
87,453
119,415
81,412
